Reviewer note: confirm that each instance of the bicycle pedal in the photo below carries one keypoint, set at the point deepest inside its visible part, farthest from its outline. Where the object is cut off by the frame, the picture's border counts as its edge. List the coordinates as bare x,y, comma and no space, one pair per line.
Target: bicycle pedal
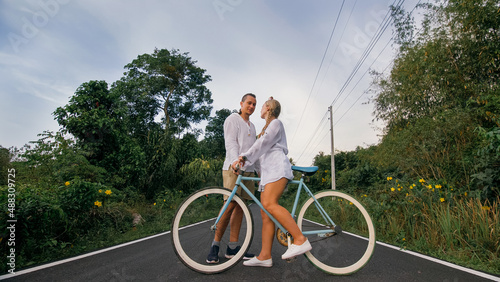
291,259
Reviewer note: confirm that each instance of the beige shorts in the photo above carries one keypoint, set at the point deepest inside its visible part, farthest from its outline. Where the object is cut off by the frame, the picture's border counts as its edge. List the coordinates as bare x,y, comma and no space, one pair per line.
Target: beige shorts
229,179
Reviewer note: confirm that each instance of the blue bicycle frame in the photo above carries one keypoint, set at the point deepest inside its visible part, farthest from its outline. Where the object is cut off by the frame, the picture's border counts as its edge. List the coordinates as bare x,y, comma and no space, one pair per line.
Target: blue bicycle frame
301,184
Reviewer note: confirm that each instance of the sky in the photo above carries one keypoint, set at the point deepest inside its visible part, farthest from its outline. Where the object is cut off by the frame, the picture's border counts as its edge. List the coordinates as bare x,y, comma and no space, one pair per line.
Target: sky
306,54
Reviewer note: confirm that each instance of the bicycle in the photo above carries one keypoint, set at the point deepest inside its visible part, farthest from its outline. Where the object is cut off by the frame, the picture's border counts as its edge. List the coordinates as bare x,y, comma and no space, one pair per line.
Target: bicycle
337,225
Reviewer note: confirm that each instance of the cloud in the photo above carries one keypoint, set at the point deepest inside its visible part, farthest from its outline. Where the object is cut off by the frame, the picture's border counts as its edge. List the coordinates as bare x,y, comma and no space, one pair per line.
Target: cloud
270,48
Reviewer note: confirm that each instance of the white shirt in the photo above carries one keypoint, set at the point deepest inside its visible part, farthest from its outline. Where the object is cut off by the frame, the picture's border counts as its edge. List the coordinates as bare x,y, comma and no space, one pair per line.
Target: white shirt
271,150
239,136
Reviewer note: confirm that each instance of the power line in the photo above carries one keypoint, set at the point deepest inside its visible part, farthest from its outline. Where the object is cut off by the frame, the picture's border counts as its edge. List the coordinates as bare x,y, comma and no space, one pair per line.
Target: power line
380,31
369,48
338,44
313,135
319,69
392,61
382,27
354,87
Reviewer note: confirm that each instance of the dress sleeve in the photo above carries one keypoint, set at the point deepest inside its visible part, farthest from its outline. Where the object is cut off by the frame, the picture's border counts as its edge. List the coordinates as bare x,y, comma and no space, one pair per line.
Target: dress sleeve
264,143
231,139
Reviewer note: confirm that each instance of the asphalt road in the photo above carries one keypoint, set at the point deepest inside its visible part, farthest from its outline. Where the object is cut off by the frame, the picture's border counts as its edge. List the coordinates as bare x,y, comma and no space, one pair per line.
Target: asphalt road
155,260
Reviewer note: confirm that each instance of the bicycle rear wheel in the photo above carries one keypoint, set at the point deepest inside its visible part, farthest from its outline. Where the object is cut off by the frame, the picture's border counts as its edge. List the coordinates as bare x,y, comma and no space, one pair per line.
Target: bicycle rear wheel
193,230
350,243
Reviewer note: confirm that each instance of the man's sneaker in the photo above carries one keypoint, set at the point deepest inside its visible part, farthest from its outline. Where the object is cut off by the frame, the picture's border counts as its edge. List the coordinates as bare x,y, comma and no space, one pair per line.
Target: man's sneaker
232,252
213,256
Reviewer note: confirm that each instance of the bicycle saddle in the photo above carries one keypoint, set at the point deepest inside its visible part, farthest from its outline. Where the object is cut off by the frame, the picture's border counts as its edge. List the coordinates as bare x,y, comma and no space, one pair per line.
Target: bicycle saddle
309,170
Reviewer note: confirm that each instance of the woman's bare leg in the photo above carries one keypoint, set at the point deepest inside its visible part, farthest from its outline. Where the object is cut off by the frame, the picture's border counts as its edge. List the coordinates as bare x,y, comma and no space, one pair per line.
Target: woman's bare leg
270,198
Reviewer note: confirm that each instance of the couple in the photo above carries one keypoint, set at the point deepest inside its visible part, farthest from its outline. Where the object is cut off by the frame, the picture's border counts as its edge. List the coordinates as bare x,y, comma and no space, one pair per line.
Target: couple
268,156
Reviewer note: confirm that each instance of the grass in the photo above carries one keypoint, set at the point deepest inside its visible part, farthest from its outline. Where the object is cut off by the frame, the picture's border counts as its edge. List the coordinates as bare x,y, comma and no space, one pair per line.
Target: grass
437,221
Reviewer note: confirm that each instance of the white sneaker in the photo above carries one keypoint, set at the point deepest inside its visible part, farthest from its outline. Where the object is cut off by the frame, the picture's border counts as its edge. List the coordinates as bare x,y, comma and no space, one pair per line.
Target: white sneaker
256,262
294,250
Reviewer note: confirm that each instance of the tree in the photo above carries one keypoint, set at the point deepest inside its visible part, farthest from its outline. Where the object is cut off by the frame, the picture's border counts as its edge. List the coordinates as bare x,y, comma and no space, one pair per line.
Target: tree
443,85
54,159
214,145
93,117
4,165
170,83
96,117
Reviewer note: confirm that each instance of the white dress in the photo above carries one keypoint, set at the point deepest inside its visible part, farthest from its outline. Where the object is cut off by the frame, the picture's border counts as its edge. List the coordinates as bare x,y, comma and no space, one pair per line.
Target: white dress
271,150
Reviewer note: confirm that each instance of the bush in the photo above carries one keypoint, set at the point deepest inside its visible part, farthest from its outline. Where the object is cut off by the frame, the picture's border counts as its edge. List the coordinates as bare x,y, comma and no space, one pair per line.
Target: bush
51,221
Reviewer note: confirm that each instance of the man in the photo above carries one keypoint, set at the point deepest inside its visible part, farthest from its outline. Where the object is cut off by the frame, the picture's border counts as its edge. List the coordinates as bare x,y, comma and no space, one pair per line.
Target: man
239,136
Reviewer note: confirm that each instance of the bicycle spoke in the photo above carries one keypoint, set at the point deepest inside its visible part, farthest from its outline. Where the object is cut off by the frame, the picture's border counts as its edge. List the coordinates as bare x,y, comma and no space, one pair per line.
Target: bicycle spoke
342,249
193,231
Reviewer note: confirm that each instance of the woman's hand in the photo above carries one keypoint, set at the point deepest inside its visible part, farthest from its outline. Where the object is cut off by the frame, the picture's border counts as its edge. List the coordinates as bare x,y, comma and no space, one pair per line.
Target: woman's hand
238,164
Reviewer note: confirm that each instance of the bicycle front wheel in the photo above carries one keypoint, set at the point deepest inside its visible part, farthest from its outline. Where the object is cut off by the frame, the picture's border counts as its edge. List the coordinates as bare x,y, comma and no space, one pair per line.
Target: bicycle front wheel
349,243
193,230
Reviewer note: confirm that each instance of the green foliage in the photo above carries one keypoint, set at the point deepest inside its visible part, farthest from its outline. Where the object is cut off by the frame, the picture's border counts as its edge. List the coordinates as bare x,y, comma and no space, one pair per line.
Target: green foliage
439,219
487,167
90,179
170,82
322,179
54,159
50,220
443,85
95,117
213,144
200,173
4,164
354,171
78,196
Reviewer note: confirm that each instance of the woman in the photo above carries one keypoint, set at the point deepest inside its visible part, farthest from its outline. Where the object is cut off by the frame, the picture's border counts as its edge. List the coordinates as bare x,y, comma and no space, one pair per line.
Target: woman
270,150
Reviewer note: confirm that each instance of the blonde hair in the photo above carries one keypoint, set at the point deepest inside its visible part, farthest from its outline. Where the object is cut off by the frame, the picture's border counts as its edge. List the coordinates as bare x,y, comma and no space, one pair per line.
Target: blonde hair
274,111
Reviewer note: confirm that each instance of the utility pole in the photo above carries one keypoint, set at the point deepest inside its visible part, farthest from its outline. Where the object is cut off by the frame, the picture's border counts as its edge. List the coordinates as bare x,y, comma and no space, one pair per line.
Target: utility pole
333,148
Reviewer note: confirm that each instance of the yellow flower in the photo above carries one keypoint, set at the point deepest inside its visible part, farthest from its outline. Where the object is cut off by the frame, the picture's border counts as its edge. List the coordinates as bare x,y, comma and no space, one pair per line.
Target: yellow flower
154,204
399,189
438,186
97,203
392,189
441,199
404,239
389,178
164,200
465,194
486,208
100,190
430,186
108,192
67,183
421,180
